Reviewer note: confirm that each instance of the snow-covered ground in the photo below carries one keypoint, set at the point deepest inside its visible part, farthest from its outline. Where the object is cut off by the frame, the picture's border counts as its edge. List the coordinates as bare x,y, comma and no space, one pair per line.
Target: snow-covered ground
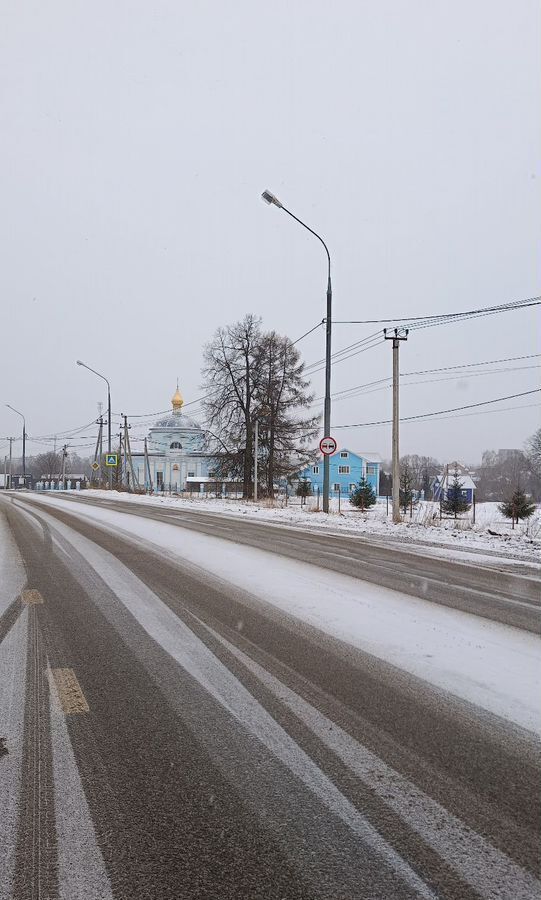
523,543
491,665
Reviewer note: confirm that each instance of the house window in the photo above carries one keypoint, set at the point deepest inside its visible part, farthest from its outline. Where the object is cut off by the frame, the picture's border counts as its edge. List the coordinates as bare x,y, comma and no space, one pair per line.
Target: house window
175,446
336,487
212,474
352,487
191,474
315,470
343,470
371,470
343,454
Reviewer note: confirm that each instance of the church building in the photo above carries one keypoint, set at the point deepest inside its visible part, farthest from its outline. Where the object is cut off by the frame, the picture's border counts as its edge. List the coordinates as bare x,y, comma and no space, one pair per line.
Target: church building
176,458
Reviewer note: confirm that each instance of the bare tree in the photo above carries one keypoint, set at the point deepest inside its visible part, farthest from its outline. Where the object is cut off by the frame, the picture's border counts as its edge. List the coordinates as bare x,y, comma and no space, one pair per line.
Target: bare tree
230,378
502,471
533,452
48,463
281,393
251,375
421,469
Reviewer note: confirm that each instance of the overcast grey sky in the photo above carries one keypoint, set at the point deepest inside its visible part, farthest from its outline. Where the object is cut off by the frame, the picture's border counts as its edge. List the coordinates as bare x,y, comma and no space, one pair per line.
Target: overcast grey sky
138,136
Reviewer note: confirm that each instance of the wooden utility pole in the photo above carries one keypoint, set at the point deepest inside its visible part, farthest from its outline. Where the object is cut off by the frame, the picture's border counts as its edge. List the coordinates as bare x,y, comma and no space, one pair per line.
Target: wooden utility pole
10,439
64,455
147,467
128,462
97,453
397,335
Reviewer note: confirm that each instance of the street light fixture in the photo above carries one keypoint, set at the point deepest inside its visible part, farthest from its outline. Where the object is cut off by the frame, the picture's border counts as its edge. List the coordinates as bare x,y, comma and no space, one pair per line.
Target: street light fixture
12,408
80,363
269,198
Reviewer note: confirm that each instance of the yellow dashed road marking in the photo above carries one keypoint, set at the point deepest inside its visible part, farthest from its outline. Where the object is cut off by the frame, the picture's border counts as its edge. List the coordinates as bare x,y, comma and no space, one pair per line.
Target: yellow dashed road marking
72,699
31,596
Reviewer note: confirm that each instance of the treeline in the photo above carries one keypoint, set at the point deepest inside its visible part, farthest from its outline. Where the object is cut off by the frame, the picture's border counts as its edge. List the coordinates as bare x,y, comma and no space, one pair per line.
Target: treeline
50,463
500,473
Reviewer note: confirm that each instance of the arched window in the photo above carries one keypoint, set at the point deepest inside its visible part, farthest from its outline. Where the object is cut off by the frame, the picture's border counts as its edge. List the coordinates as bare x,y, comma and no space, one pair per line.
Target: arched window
175,446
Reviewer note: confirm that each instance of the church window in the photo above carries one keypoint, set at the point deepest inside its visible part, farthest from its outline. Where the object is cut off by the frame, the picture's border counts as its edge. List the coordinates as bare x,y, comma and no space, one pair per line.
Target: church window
176,445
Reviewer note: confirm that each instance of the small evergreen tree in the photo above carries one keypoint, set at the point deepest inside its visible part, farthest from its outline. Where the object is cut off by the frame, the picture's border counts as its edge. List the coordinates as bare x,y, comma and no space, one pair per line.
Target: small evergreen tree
304,490
363,496
518,507
455,501
406,488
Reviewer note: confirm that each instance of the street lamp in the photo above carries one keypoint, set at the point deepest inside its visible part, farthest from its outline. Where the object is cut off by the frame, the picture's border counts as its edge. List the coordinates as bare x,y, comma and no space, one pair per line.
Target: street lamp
80,363
273,201
12,408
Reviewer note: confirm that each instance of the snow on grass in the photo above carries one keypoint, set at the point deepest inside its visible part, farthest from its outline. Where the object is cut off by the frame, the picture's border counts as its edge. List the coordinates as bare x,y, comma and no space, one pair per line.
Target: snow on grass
425,528
489,664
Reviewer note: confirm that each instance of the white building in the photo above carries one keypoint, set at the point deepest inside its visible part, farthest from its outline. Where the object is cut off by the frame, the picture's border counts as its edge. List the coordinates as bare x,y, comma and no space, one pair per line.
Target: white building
176,458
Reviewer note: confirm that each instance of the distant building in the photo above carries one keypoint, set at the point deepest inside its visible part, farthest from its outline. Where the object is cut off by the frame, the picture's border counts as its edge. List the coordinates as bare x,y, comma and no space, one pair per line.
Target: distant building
346,470
18,481
443,483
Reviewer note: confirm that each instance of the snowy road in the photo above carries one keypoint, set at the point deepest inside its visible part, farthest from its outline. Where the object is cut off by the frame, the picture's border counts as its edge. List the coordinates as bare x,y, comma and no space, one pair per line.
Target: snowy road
185,715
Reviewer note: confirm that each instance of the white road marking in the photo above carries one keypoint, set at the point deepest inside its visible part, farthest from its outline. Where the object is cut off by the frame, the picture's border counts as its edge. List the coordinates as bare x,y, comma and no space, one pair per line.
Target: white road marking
195,657
81,870
486,663
487,870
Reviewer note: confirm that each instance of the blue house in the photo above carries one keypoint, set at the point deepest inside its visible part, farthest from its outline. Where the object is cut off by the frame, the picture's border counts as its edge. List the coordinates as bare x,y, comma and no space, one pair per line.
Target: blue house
442,487
346,470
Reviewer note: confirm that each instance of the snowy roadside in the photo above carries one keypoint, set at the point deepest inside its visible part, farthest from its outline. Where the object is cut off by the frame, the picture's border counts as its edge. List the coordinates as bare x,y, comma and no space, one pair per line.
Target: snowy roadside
445,538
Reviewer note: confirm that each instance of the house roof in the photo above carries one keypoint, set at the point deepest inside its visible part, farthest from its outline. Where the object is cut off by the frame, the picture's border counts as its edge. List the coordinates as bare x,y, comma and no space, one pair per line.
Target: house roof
369,457
446,480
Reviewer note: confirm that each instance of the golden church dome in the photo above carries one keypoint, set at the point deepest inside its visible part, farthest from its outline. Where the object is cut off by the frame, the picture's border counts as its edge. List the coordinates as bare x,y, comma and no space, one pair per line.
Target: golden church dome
177,400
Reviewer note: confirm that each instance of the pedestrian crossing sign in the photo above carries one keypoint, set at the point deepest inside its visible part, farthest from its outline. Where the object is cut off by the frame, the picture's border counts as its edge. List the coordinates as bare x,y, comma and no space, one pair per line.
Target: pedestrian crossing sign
111,459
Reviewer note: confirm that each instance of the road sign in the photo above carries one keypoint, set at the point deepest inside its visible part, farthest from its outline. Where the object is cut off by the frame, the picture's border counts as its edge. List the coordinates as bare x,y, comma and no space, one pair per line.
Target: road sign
328,446
95,466
111,459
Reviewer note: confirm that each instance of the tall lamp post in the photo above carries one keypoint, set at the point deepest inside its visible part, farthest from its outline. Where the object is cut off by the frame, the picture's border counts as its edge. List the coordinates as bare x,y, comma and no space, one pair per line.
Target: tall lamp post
272,200
80,363
12,408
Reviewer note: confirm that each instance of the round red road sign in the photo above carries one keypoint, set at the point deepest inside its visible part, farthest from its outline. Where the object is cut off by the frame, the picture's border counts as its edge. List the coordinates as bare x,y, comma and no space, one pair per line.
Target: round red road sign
327,445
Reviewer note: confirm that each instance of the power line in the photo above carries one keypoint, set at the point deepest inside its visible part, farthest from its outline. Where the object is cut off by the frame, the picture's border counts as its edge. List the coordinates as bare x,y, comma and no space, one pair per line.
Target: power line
373,340
319,324
440,412
503,307
485,362
359,391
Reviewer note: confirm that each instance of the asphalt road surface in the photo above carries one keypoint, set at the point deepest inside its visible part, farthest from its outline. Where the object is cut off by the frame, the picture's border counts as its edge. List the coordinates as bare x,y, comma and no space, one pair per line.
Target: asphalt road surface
165,735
